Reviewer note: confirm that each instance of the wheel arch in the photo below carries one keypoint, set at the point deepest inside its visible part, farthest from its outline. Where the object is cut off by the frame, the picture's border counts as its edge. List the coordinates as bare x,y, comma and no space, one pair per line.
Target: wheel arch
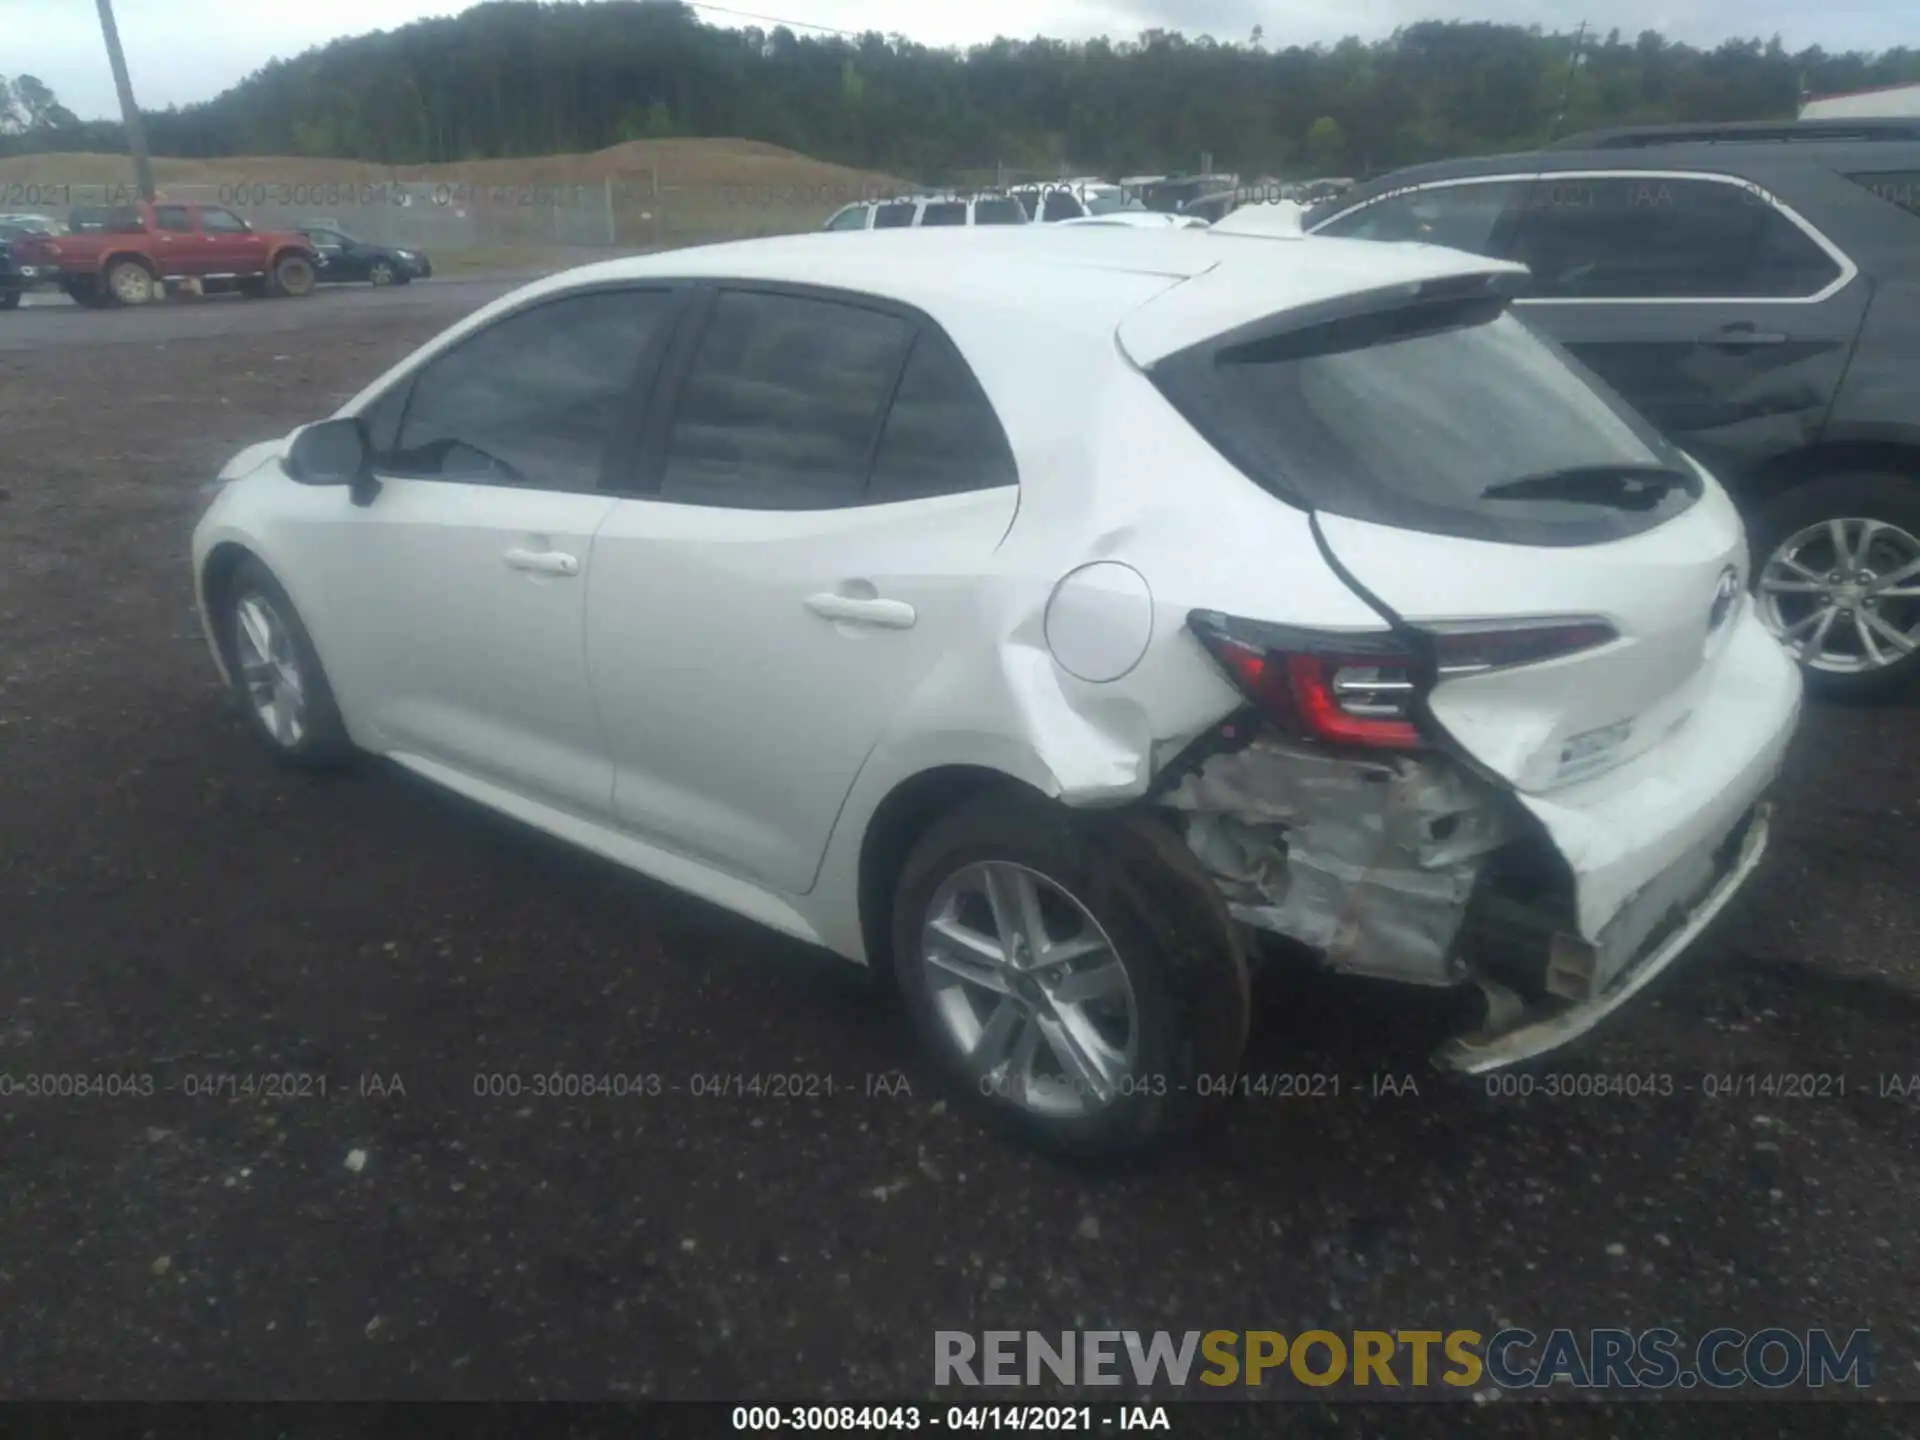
107,262
1787,471
896,825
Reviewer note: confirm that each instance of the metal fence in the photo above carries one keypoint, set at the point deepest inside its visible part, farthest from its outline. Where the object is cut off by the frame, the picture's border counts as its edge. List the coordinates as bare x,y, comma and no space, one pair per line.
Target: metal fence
638,211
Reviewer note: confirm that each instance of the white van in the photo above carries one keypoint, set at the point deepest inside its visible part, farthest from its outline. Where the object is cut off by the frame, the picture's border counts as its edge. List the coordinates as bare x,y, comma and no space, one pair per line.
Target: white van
913,211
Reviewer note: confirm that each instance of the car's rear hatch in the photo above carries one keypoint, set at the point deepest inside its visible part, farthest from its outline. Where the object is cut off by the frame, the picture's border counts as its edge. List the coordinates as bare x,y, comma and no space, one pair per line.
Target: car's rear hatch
1573,582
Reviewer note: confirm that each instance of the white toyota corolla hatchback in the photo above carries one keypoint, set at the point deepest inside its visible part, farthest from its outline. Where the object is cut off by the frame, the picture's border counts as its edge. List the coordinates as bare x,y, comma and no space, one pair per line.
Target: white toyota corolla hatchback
1045,614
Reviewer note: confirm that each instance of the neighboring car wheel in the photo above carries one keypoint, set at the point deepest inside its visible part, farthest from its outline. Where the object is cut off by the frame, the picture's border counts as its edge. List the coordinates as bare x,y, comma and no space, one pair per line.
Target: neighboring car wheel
1065,979
381,273
293,277
276,672
9,299
1837,578
86,295
130,283
254,287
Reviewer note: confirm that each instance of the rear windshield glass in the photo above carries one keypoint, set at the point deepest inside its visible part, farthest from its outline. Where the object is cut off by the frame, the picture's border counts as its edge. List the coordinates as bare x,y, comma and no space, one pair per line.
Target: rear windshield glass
1407,417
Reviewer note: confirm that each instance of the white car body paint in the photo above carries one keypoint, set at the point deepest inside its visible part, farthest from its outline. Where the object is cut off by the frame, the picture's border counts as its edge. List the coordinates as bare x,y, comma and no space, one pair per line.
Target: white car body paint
690,706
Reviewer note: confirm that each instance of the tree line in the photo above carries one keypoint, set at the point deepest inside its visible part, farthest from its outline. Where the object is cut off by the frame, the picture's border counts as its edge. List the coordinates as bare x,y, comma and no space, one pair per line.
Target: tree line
513,79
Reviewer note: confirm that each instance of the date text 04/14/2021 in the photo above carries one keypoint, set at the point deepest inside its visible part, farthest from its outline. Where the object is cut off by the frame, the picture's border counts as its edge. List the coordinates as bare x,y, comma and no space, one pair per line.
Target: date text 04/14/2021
1063,1419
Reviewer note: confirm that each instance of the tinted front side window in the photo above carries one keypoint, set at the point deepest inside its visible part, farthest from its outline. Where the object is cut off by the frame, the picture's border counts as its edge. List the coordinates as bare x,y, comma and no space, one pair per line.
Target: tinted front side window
533,399
941,435
997,212
945,212
897,216
1409,417
852,218
1461,217
1652,238
782,402
221,222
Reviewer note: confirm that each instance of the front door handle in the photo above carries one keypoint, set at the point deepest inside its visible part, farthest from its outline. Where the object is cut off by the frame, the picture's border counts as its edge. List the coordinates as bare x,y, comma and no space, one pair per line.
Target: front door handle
1733,337
886,614
544,562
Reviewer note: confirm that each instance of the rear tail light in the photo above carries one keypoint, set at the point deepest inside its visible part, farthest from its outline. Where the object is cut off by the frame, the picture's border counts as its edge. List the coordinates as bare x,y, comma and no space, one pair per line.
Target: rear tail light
1359,687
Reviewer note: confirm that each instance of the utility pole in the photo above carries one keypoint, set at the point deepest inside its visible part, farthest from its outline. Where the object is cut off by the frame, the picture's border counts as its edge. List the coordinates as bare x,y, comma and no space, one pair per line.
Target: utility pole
129,112
1566,89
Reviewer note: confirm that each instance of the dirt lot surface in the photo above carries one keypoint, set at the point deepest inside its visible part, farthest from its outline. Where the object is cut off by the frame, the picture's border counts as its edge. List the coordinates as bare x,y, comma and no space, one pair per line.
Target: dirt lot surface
173,907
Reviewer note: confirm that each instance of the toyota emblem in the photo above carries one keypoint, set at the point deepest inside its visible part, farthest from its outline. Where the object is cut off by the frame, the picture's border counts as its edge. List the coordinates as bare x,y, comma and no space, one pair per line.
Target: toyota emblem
1724,594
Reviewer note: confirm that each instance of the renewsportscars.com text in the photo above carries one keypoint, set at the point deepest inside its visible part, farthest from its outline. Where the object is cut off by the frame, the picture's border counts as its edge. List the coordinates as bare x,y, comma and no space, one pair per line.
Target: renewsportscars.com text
1773,1358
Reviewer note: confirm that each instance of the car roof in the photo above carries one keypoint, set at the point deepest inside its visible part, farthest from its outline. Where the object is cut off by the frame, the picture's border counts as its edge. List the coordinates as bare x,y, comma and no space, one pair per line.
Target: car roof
1067,277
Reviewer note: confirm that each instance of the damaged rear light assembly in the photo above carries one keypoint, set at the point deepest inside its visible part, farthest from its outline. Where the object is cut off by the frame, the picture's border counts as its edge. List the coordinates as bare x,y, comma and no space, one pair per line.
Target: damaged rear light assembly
1357,687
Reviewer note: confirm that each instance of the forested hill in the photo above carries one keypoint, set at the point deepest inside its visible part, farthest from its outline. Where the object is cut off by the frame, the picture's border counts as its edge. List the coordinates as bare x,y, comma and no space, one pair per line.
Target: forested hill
515,79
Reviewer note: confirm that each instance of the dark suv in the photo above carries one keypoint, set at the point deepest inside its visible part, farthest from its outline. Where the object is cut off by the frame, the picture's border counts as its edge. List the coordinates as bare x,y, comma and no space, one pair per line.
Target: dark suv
1755,291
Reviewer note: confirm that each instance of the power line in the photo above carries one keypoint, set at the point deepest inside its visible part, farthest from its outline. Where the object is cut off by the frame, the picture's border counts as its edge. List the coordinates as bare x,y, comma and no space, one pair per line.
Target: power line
775,19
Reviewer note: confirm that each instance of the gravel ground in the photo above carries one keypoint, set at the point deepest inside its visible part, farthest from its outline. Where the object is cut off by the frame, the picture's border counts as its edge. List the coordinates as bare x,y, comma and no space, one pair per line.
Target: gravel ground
172,906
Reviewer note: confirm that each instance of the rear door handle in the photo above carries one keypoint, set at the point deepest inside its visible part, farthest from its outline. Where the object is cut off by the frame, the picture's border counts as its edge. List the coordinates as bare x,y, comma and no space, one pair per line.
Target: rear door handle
1735,336
543,562
886,614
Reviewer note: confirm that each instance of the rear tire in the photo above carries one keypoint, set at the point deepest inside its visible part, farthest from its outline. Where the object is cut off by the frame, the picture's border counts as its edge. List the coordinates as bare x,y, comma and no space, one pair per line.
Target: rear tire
1792,545
293,277
382,274
9,299
1158,1037
276,673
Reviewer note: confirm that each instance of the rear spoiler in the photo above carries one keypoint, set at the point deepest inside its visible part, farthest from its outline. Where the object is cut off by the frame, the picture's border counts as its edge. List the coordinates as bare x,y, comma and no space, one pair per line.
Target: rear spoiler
1189,317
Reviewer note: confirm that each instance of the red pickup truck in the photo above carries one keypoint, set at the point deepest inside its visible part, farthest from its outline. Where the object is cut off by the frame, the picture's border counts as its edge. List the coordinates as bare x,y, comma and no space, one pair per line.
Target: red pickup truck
127,254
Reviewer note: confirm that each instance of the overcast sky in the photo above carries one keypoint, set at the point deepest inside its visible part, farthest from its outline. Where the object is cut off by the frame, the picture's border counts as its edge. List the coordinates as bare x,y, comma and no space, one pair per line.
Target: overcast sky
185,50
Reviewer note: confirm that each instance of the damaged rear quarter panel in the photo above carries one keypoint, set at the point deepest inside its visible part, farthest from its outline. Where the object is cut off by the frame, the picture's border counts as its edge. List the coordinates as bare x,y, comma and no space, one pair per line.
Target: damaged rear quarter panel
1371,862
1117,475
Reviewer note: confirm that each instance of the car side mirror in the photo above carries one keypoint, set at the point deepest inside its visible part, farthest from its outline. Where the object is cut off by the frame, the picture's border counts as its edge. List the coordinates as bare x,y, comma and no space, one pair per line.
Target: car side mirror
335,452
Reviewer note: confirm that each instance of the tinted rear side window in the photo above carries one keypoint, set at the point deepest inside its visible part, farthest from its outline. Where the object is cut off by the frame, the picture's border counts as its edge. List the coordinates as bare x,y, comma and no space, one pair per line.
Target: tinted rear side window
782,403
945,212
942,436
1655,238
896,216
1406,417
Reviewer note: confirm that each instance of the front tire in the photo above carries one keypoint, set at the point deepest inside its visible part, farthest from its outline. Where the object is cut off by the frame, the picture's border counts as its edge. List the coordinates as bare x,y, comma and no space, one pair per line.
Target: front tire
128,282
276,673
1064,979
1836,574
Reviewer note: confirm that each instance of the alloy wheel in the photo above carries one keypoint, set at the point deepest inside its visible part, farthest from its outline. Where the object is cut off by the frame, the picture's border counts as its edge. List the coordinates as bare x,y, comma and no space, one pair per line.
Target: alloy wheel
381,274
1030,990
270,669
1844,595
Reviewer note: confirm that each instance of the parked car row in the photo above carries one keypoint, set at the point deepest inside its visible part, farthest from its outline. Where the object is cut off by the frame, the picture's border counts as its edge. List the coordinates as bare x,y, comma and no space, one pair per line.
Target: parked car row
134,254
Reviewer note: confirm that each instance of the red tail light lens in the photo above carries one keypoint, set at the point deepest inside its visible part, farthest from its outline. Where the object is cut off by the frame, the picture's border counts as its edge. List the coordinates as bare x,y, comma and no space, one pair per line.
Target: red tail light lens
1358,687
